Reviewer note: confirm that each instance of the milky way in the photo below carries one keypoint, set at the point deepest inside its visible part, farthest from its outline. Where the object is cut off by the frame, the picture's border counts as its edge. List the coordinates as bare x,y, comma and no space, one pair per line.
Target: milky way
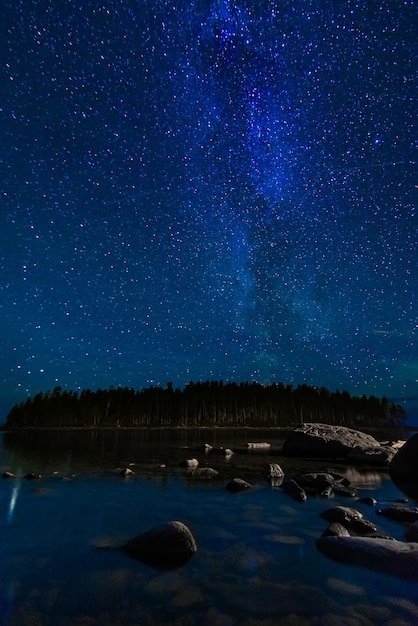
208,190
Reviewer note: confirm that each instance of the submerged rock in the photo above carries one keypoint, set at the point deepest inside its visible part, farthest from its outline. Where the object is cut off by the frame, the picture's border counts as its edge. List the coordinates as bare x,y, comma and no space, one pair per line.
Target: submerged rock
388,556
237,484
168,546
326,440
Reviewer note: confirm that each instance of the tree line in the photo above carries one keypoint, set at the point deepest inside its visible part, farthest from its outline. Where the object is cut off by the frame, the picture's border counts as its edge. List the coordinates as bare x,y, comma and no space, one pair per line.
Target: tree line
210,403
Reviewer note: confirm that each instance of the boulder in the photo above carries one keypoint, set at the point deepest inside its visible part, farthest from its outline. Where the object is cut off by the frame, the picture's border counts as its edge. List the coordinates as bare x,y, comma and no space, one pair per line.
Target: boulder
274,474
325,440
8,475
399,513
189,463
374,455
323,484
237,484
403,468
350,518
367,500
168,546
204,473
126,472
294,490
388,556
336,530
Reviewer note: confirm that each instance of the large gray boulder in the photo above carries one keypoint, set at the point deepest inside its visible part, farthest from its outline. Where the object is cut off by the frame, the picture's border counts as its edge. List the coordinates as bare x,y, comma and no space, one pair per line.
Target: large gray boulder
388,556
326,440
168,546
375,455
403,468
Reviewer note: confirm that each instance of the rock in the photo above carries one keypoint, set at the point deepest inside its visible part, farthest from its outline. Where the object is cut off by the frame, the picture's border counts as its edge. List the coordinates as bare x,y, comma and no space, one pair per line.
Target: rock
126,472
336,530
375,455
350,518
403,468
207,447
367,500
293,489
274,474
9,475
204,473
227,452
32,476
399,513
168,546
189,463
263,445
315,481
411,532
325,440
388,556
237,484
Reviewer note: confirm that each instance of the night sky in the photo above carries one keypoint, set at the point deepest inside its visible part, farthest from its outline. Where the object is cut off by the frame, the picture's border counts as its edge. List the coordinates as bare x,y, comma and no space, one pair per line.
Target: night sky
197,190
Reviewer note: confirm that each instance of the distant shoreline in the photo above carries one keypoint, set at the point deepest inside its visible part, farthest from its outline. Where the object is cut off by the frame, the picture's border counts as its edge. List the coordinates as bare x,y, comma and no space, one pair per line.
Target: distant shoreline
377,429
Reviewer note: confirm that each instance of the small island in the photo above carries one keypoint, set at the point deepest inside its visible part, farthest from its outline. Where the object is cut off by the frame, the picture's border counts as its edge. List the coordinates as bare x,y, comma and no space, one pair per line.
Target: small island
204,404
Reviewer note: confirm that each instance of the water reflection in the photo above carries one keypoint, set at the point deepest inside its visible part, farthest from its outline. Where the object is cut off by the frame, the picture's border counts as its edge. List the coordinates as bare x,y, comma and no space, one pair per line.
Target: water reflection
259,542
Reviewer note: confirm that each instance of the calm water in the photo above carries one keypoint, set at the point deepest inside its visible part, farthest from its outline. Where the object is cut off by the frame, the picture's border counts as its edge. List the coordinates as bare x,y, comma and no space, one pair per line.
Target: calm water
257,563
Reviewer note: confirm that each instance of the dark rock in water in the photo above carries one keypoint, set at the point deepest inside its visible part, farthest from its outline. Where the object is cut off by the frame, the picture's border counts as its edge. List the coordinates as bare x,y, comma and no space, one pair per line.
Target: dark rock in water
399,513
226,452
323,484
237,484
325,440
189,463
315,481
403,468
350,518
204,473
293,489
126,472
168,546
336,530
9,475
388,556
367,500
32,476
274,474
411,532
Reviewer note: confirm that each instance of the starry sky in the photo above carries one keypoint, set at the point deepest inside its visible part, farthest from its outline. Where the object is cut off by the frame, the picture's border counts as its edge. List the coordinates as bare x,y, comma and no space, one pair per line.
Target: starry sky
208,189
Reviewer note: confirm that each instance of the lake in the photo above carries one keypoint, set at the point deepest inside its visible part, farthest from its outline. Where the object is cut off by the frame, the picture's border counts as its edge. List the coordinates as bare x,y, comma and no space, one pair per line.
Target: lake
256,565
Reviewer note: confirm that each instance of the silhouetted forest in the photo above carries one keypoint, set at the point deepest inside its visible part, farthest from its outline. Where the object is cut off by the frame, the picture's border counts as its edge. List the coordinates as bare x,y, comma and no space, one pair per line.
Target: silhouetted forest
210,403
